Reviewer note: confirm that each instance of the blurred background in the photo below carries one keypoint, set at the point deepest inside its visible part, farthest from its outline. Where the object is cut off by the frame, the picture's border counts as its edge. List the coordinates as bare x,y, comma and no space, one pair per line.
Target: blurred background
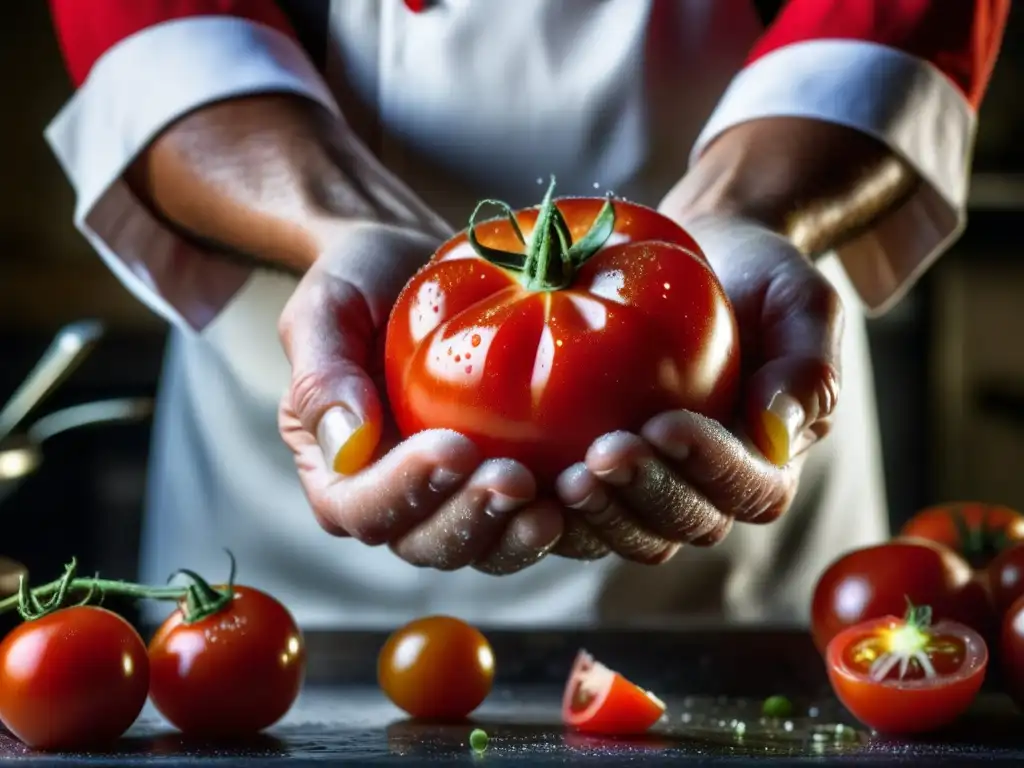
948,362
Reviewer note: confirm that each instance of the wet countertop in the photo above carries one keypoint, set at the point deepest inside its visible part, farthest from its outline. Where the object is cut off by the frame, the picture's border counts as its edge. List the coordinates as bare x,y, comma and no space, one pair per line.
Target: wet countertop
713,682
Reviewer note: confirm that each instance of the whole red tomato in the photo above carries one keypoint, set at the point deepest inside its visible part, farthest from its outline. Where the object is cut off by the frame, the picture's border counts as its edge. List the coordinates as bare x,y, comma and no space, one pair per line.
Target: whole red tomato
232,673
73,679
436,668
1011,652
975,530
603,315
877,581
1006,578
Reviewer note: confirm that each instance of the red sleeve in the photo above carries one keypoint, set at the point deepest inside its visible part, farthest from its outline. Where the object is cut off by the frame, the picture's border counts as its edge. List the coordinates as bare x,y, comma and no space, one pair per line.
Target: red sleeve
961,38
86,29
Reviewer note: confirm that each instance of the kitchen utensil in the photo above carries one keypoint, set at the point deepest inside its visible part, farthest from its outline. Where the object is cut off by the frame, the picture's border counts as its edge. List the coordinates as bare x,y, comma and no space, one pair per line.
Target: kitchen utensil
68,348
21,454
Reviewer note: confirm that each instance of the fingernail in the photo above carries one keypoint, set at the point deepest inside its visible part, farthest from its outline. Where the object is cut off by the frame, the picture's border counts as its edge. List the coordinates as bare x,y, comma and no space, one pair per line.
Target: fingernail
782,423
616,475
443,479
595,502
500,504
344,439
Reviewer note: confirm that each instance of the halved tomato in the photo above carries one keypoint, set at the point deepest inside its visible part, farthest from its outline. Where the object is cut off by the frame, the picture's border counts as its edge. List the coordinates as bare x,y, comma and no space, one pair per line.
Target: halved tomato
601,701
906,675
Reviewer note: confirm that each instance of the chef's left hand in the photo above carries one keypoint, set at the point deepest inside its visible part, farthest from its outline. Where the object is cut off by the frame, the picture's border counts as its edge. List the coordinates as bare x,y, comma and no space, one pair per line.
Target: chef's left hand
684,479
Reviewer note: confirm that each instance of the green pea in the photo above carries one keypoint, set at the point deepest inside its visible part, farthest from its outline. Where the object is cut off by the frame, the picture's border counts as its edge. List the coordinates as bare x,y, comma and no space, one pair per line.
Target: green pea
777,706
478,740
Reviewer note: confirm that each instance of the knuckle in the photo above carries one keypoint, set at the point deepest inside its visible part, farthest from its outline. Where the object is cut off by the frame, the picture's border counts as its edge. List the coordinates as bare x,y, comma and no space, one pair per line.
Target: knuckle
305,392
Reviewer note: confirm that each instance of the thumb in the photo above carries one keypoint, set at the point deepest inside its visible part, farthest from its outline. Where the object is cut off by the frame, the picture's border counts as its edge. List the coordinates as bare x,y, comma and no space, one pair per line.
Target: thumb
328,335
791,397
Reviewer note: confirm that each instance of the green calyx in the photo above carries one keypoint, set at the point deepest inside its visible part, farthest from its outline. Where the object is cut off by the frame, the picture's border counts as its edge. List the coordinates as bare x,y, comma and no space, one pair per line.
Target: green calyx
979,543
198,599
918,617
550,258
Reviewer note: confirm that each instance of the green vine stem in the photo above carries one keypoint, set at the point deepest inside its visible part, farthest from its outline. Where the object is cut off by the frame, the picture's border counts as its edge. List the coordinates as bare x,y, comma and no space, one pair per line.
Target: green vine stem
550,258
198,599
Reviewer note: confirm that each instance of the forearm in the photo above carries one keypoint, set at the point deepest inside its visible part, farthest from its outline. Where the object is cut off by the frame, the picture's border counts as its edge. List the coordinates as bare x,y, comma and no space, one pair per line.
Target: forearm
818,183
271,176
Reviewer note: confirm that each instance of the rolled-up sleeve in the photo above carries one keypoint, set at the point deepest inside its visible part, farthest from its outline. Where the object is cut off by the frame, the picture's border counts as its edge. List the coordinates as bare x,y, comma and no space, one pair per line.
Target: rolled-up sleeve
910,73
137,68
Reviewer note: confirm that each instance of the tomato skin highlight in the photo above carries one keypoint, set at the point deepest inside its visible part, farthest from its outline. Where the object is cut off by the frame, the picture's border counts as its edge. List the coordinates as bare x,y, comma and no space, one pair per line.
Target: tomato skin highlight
436,668
974,530
904,707
73,679
230,674
644,327
600,701
1011,652
877,581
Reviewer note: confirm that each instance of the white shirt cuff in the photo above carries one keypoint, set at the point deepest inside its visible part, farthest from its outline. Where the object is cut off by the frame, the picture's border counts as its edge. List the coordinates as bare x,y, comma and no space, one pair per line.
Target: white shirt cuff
899,99
137,89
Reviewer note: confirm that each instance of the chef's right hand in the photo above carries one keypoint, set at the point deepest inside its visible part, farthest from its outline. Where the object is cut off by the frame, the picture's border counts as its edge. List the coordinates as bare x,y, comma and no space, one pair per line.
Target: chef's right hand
430,498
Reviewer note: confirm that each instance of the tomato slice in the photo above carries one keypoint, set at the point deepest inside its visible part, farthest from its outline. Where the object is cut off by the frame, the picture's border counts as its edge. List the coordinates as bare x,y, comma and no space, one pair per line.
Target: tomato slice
906,675
600,701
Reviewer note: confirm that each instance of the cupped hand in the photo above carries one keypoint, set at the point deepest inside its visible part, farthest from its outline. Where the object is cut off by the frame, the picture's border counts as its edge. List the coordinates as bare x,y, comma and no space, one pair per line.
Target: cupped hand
684,479
430,498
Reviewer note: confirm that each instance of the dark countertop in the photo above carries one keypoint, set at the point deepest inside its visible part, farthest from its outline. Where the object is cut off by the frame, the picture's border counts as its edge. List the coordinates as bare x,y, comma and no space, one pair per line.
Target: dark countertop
712,681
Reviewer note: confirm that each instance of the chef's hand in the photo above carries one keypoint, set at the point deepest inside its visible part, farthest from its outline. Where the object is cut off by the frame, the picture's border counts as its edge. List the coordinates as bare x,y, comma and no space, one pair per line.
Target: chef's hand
685,478
430,498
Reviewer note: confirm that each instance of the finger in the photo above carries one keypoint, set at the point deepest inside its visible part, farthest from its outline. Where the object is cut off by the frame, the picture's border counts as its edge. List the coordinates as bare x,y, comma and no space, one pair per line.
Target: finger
730,475
658,498
791,397
328,332
528,539
393,495
469,524
580,490
579,540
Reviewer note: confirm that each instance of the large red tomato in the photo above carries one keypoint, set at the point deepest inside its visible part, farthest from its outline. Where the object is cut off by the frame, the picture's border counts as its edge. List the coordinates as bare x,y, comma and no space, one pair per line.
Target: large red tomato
877,581
602,315
232,673
73,679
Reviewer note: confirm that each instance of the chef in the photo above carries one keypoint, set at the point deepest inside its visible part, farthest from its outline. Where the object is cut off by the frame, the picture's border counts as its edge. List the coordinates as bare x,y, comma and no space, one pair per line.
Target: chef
267,175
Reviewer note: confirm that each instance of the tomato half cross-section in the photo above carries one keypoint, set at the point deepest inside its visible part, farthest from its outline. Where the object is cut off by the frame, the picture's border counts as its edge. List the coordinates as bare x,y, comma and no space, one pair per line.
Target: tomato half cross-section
535,334
599,700
907,675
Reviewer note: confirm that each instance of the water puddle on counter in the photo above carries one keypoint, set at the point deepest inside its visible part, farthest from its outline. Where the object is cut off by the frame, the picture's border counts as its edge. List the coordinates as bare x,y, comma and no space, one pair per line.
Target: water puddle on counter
739,726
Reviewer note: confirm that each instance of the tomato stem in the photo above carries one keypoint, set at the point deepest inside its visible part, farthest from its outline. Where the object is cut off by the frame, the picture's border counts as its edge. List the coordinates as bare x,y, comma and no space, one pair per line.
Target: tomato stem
550,258
198,598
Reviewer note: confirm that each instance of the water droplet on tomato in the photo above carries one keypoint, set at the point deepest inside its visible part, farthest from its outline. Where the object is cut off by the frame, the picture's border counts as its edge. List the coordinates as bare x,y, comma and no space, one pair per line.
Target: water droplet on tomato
475,340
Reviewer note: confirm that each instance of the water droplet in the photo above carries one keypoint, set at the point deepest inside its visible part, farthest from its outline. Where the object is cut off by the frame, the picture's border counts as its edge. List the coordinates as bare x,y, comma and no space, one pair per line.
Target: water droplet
540,180
475,341
597,185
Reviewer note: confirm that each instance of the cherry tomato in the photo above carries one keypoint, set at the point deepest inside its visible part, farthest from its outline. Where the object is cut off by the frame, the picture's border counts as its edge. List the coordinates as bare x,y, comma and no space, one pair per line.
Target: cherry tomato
877,581
600,701
905,675
436,668
1011,652
1005,576
73,679
233,673
975,530
535,367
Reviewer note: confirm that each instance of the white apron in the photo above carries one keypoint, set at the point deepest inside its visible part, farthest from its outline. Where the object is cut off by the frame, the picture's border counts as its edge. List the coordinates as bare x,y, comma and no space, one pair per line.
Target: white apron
612,98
